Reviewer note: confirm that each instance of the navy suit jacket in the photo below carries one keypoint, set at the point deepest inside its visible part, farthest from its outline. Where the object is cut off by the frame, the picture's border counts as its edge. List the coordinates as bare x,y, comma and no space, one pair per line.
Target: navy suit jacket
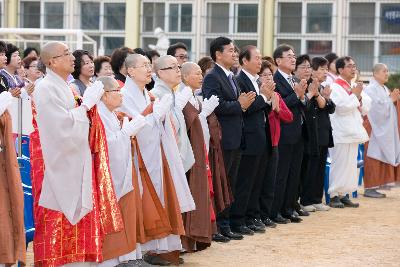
291,133
254,119
229,111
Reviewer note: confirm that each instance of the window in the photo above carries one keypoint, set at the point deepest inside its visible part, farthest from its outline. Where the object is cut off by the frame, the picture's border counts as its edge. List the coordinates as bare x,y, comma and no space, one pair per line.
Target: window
218,17
91,19
53,15
1,14
246,17
289,17
180,17
114,16
296,44
389,53
243,43
30,14
318,48
363,54
362,18
111,43
146,41
319,18
153,16
390,18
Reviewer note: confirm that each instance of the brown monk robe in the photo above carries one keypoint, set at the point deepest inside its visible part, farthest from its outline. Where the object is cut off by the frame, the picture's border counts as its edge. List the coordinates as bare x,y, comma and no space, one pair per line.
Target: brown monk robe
378,173
223,197
12,231
197,223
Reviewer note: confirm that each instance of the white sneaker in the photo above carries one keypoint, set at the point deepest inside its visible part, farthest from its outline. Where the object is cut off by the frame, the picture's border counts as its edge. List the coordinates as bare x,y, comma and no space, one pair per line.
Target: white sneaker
309,208
321,207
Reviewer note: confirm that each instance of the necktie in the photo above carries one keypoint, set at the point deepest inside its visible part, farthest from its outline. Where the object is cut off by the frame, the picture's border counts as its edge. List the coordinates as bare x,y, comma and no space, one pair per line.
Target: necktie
234,88
290,80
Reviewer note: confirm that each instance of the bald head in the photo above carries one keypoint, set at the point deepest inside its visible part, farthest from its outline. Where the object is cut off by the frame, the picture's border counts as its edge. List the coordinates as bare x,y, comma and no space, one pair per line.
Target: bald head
188,67
378,67
110,84
133,59
164,62
192,75
50,50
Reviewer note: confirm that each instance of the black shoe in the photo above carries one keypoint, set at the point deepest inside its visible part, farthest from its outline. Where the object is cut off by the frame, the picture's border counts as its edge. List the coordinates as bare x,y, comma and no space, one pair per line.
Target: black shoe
280,220
243,230
302,212
232,236
256,229
336,203
259,223
155,260
373,193
269,223
348,203
293,218
220,238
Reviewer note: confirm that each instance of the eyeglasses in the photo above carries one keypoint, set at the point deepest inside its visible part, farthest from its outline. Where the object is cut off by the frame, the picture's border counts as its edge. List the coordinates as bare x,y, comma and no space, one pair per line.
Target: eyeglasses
63,55
177,68
146,66
351,66
115,90
306,67
33,67
290,57
182,56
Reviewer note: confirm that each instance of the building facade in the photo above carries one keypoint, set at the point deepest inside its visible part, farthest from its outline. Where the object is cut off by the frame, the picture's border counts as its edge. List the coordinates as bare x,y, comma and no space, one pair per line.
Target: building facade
369,30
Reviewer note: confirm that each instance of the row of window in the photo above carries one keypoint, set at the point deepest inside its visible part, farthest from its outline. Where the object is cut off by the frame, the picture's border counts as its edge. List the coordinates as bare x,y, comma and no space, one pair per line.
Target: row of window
318,18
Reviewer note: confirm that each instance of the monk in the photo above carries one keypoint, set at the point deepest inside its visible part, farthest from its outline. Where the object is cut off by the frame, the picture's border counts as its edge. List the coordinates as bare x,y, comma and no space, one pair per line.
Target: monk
74,200
382,152
198,223
155,155
12,231
169,77
127,252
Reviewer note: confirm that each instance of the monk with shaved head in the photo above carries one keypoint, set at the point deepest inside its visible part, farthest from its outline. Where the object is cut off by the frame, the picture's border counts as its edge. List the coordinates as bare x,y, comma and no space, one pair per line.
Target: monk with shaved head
70,179
382,152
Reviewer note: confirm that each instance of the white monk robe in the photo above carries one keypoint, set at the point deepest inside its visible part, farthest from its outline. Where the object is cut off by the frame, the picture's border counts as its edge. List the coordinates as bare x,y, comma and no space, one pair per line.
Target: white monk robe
64,128
348,132
150,139
120,160
384,143
185,148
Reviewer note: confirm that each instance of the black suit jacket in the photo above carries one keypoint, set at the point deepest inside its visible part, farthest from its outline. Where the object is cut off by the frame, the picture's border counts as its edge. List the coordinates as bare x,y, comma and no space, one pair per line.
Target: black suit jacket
254,119
229,111
291,133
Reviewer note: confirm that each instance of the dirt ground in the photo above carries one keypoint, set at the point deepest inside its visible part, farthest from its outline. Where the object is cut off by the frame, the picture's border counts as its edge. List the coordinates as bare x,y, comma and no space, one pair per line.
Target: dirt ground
367,236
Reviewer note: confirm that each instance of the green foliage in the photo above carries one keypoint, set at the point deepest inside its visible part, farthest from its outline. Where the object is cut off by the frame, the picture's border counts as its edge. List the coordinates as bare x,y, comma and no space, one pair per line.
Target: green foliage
394,81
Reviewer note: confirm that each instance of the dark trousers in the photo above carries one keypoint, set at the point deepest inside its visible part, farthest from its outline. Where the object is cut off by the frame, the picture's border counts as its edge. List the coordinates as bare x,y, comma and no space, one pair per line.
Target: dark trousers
232,161
288,178
313,185
246,180
268,186
254,208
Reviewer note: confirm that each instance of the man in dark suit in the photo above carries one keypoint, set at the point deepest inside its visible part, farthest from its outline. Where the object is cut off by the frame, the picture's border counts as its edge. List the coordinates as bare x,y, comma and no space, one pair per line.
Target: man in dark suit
220,82
244,217
291,141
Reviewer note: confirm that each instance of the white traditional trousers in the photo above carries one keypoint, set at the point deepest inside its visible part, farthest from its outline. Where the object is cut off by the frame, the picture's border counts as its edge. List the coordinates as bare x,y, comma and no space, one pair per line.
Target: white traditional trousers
343,174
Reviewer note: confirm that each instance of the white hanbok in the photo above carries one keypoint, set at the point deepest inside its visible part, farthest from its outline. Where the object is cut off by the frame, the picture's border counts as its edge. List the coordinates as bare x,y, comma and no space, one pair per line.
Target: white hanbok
348,132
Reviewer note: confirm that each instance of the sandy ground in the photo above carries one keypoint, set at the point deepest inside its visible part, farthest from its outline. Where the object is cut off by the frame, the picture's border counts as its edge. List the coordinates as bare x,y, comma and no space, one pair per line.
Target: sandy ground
367,236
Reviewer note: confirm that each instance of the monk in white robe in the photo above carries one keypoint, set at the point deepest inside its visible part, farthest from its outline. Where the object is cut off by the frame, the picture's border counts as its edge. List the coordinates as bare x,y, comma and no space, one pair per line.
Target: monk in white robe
70,196
348,132
122,245
382,152
158,150
169,78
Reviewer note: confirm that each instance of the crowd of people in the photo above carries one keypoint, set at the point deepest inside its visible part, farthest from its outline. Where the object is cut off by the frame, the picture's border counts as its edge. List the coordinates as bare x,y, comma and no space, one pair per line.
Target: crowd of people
138,157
